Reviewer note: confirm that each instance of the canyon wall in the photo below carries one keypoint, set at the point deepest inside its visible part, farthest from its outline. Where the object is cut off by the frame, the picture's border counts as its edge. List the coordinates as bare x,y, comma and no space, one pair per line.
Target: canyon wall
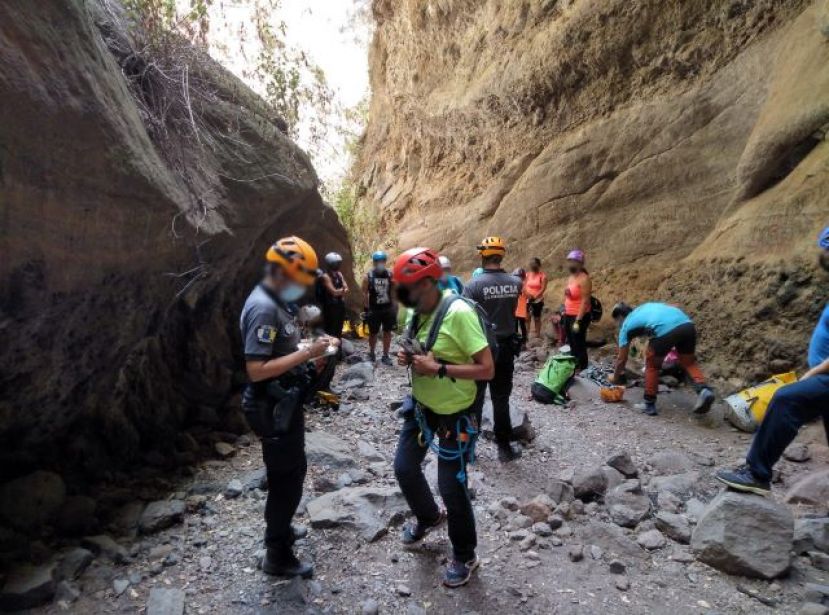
127,247
682,145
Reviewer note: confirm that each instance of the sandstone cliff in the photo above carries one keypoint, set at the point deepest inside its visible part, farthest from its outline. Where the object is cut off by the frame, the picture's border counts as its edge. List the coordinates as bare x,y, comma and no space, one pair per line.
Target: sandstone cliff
680,144
122,273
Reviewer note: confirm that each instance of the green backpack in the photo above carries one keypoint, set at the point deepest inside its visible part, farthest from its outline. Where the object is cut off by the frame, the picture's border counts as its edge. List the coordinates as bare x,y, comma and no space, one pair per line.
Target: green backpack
552,380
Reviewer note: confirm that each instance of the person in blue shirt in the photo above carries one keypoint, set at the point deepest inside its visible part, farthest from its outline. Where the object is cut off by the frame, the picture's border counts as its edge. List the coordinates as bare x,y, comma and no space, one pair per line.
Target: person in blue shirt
449,281
792,406
667,327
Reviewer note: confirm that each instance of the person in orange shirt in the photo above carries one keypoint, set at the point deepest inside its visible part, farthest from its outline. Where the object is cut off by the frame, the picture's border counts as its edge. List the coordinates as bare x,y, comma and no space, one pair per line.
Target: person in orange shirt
577,307
521,308
535,285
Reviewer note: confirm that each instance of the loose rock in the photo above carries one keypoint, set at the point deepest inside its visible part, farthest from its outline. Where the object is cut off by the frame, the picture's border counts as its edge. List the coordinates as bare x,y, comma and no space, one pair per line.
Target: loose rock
74,562
107,547
651,540
575,553
234,489
675,526
797,452
811,489
323,449
627,504
28,586
160,515
164,601
369,509
811,534
589,483
670,462
745,534
624,464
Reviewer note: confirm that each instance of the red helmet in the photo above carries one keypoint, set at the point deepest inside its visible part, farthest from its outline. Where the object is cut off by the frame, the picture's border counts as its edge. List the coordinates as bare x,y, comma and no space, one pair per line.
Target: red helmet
416,264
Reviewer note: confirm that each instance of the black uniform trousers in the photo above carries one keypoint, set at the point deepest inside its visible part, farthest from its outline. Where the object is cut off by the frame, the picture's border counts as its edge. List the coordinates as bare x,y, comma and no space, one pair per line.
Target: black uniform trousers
285,464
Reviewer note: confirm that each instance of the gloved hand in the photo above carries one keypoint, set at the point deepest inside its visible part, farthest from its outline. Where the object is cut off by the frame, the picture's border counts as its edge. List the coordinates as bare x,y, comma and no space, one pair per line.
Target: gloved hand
576,326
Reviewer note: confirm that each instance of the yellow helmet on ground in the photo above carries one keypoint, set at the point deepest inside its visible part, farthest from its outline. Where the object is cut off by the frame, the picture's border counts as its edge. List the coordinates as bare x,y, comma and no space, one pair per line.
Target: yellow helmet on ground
492,246
296,258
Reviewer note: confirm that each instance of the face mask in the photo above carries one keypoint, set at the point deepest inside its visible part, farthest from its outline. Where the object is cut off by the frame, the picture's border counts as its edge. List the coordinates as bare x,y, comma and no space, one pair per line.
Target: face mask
405,297
291,292
824,260
380,267
573,269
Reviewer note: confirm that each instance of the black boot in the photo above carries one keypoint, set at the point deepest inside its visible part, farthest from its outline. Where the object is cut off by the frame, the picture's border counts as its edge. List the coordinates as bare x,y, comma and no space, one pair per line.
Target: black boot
282,562
507,451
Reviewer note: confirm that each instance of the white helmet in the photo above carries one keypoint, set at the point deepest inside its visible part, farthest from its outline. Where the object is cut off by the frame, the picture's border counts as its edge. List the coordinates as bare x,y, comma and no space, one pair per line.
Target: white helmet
332,259
444,261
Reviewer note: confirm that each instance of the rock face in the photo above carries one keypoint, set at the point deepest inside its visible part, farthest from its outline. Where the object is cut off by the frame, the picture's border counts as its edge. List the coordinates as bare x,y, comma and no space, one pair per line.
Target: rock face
130,269
30,501
492,117
746,535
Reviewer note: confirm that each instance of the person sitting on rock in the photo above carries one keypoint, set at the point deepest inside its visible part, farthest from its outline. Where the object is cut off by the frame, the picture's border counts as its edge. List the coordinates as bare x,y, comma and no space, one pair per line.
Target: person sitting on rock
791,407
447,361
380,312
667,327
280,379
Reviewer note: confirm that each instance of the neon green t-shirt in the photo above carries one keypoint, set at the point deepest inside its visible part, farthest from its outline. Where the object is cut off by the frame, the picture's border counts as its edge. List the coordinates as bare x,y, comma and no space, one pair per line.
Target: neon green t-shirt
460,337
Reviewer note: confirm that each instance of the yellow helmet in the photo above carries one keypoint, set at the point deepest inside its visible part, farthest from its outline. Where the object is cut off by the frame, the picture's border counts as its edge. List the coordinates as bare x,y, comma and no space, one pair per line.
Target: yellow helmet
296,257
492,246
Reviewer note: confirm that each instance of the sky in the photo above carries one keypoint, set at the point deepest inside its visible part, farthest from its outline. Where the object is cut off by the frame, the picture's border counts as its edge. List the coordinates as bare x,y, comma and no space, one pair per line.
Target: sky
327,31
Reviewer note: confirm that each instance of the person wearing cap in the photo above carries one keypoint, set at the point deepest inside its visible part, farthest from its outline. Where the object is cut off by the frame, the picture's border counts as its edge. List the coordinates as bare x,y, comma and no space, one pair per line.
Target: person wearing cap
498,293
535,285
280,379
331,292
791,407
449,281
577,307
379,309
441,409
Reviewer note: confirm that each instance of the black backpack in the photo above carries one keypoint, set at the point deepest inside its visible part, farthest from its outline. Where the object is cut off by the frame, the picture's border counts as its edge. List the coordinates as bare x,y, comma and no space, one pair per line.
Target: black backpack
596,309
445,303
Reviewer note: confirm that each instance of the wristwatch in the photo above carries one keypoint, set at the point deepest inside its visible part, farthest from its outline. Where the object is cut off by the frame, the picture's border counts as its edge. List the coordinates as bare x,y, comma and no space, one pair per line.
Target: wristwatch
442,370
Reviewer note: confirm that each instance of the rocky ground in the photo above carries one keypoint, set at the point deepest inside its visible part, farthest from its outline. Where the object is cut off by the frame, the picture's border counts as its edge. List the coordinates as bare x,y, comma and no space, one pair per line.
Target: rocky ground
596,517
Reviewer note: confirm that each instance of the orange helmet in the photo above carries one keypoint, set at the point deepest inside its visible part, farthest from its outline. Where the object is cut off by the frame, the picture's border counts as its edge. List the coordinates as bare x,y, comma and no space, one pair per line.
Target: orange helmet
492,246
296,257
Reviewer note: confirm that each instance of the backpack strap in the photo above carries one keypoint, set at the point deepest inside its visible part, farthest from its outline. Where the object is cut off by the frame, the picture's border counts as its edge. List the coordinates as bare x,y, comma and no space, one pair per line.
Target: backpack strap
445,303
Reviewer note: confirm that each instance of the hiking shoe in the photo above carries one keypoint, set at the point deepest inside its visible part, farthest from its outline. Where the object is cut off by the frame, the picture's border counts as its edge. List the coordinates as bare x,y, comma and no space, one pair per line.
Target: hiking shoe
648,407
704,401
743,479
372,357
283,563
508,452
386,360
458,573
416,531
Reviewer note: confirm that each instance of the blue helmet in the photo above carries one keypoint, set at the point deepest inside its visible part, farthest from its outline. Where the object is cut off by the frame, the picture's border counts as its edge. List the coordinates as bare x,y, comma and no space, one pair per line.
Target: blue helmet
379,256
823,239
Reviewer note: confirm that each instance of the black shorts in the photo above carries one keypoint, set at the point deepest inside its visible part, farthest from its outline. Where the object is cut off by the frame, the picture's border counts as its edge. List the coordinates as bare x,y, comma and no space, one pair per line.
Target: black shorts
534,309
683,338
381,319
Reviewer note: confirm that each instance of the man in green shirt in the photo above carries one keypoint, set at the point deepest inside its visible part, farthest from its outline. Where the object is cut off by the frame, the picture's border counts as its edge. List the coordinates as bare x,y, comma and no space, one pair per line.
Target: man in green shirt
442,406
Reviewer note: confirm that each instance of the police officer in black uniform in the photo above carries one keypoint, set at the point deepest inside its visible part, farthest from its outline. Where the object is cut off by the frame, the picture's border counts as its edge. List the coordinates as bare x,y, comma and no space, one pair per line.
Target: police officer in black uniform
280,379
498,292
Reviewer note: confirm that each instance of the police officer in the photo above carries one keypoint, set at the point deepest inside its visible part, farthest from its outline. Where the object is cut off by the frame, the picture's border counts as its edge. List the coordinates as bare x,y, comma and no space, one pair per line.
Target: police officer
498,293
280,379
380,312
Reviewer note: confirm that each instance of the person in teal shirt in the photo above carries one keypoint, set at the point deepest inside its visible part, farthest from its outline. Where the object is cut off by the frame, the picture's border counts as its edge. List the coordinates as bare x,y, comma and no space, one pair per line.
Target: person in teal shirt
449,281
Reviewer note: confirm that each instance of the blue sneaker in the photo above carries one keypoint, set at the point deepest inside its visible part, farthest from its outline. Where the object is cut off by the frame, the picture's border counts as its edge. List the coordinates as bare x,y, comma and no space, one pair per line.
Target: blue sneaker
743,479
416,531
458,573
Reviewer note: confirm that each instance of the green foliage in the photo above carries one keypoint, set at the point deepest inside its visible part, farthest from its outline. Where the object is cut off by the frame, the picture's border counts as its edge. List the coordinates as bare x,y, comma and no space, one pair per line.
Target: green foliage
360,221
160,20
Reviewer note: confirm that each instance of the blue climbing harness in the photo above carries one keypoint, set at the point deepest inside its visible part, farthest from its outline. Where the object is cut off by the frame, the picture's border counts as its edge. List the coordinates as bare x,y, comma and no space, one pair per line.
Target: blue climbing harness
466,435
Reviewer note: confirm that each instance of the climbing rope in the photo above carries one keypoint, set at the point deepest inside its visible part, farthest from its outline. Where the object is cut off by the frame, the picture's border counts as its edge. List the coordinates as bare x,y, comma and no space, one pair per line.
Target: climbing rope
466,437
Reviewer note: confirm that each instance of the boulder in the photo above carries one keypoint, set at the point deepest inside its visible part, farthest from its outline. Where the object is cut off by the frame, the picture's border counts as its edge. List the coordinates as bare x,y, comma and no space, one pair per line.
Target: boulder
589,483
811,535
360,374
651,540
627,504
560,491
323,449
681,485
745,534
812,489
28,586
797,452
160,515
28,502
611,538
368,509
539,508
256,479
164,601
674,526
670,462
368,451
233,489
105,546
74,562
623,463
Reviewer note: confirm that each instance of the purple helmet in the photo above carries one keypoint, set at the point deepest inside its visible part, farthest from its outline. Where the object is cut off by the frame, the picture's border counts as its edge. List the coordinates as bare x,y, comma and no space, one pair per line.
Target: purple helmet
576,255
823,239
